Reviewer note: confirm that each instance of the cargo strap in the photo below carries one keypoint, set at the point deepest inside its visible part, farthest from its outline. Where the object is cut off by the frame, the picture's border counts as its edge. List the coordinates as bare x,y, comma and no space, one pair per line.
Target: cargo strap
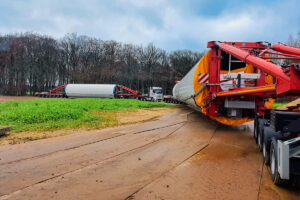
197,93
200,90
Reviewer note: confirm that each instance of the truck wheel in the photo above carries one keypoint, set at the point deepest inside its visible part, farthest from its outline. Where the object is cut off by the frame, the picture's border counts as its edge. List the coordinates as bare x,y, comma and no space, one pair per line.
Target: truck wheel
255,129
266,154
295,181
274,163
260,140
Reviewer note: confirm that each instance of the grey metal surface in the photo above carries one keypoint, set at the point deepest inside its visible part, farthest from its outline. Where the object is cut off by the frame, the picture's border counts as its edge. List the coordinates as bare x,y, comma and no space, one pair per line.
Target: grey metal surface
283,158
243,75
239,104
286,150
294,146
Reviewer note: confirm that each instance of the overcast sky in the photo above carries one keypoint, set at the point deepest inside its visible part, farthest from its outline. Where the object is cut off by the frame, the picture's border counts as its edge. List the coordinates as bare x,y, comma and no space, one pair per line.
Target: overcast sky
169,24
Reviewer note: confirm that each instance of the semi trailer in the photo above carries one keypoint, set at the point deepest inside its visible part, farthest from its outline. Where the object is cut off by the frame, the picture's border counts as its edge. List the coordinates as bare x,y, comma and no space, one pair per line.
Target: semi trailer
101,91
236,82
90,91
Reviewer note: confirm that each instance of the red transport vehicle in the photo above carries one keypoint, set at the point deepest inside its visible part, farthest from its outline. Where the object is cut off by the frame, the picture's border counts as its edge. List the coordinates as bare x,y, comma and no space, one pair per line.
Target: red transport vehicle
236,82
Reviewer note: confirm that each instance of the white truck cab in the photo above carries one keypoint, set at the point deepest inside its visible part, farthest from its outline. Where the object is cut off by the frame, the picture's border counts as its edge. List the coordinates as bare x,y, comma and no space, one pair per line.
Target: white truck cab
156,93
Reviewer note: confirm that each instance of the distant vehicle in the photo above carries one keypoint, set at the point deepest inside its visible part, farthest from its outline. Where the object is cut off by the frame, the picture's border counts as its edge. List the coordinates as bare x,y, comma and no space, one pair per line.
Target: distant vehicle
155,94
102,91
90,91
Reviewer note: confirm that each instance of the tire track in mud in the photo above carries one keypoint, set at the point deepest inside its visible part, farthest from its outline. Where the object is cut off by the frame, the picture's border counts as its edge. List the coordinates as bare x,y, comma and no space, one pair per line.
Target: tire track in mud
228,164
89,143
260,181
131,196
269,191
100,161
120,176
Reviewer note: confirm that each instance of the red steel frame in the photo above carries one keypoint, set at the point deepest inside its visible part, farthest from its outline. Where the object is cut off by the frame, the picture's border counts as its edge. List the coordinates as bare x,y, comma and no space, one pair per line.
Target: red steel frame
58,90
130,93
257,54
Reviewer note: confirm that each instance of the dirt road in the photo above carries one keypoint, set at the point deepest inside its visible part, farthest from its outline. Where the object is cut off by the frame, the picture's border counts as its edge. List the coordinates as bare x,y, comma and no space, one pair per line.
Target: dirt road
182,156
16,98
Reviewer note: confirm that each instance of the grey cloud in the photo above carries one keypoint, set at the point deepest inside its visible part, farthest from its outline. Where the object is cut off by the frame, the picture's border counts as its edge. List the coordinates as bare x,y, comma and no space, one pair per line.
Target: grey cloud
162,22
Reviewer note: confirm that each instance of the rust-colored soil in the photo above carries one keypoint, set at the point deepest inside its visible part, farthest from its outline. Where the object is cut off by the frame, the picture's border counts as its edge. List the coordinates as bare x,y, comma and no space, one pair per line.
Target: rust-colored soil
183,155
271,192
141,115
16,98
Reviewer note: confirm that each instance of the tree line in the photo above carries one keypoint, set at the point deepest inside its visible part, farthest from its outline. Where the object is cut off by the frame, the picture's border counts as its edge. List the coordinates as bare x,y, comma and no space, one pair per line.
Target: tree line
294,41
32,63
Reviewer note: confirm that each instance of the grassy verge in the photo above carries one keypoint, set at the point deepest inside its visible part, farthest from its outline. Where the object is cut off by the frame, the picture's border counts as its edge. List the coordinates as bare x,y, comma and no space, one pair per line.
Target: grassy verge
51,114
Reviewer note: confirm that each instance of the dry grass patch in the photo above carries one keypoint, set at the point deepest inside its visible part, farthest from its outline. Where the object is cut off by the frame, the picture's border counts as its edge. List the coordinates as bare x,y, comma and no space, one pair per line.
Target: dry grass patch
16,98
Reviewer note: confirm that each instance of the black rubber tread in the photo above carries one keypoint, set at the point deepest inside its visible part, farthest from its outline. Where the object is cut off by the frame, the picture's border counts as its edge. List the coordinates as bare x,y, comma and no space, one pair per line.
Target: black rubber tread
275,175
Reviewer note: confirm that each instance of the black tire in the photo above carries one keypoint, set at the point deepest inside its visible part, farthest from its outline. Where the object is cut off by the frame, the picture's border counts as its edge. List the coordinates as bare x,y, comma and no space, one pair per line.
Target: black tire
274,163
295,181
255,128
266,153
260,140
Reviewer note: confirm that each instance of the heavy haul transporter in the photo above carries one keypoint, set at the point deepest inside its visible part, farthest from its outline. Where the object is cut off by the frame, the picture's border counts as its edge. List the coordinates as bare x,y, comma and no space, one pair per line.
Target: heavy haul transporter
236,82
101,91
90,91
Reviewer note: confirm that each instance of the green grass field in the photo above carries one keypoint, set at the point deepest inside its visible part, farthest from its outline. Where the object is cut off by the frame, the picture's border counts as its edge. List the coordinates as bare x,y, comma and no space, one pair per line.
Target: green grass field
49,114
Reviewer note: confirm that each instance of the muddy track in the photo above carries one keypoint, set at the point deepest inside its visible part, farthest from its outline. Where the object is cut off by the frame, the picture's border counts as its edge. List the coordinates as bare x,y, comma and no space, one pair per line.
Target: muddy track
214,180
36,171
11,153
93,142
100,161
183,156
229,167
82,163
131,196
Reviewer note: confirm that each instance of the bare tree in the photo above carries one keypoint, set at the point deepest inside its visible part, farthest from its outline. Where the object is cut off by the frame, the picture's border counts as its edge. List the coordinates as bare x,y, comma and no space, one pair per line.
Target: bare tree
31,62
